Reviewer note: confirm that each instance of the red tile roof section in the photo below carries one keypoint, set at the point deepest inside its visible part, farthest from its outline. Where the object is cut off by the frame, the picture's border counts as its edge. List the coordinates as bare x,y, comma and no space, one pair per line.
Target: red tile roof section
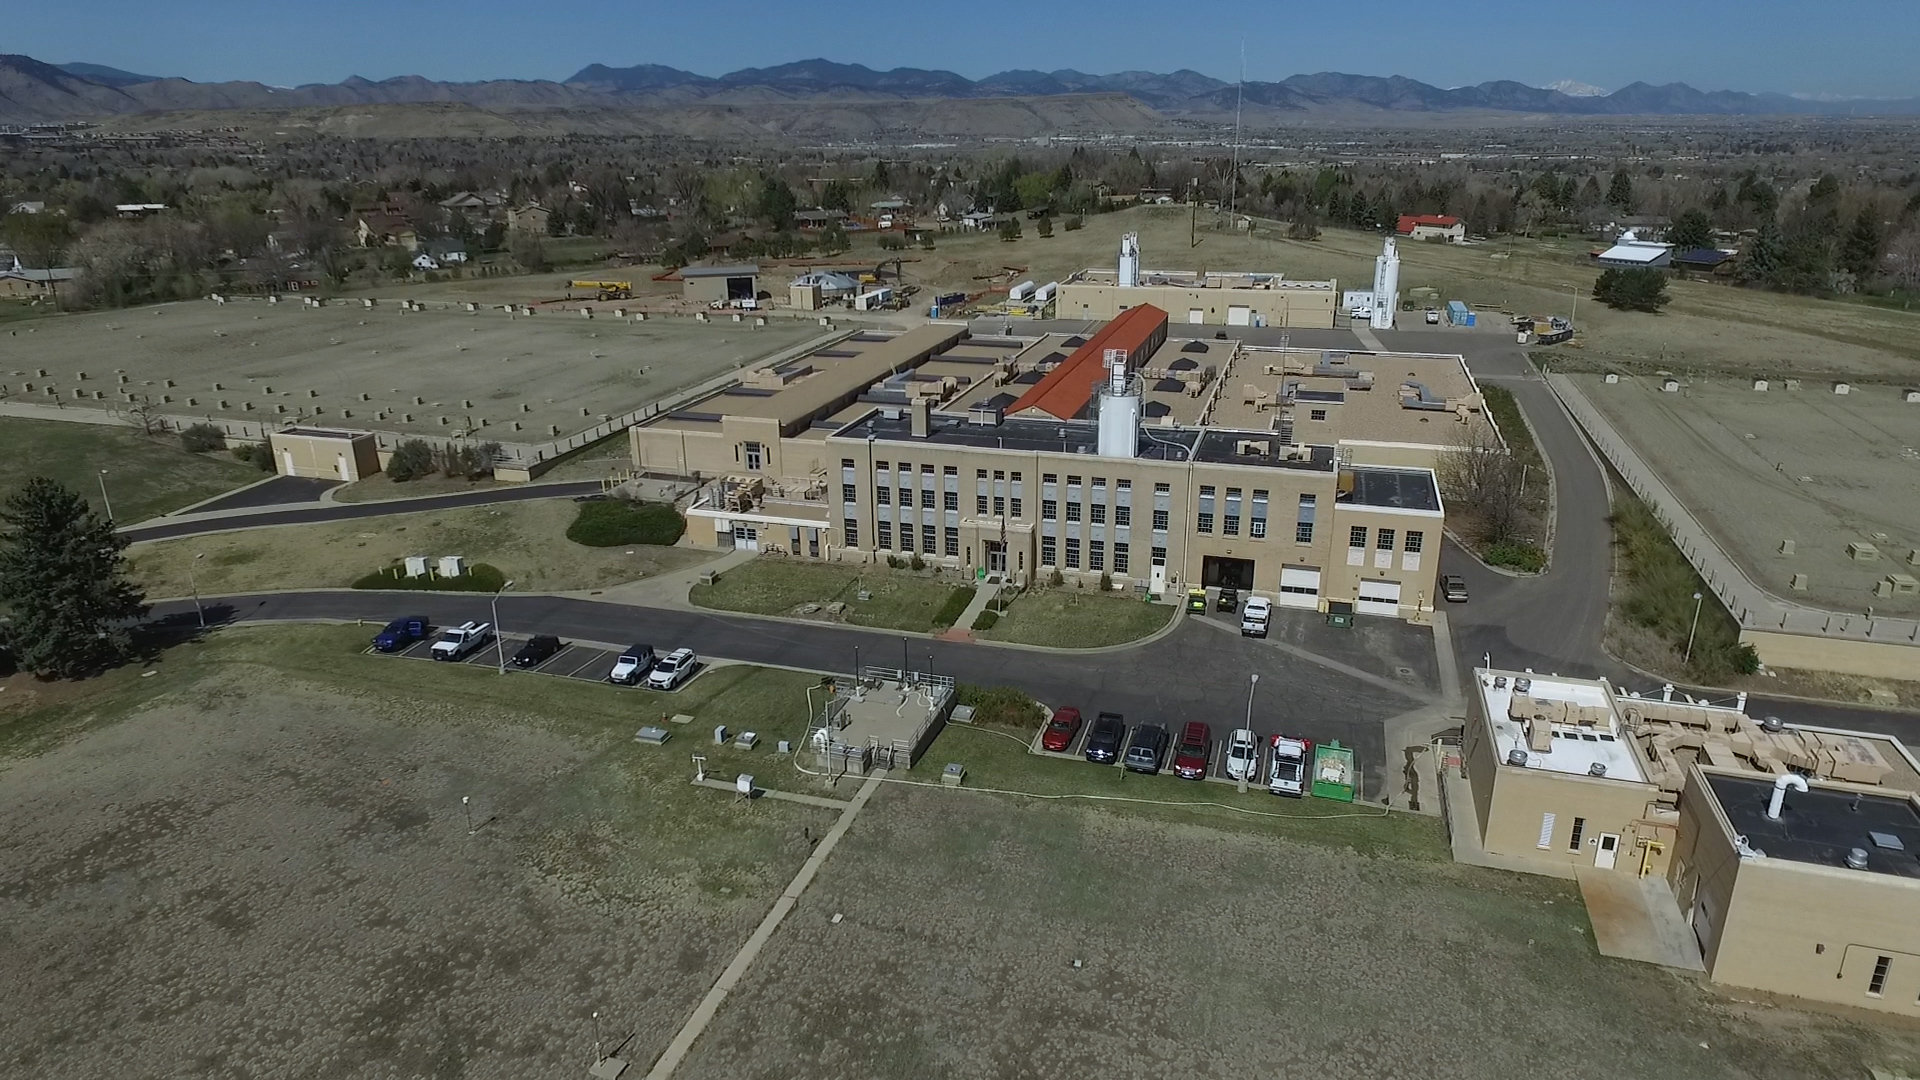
1408,221
1065,391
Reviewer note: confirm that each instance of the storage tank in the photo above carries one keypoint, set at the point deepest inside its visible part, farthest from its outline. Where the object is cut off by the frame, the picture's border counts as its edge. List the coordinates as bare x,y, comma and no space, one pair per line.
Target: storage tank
1119,418
1020,291
1386,286
1045,292
1129,260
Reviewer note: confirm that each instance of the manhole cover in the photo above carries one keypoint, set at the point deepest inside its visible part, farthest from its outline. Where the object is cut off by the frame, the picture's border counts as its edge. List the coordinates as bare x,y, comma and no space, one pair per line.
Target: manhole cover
1404,672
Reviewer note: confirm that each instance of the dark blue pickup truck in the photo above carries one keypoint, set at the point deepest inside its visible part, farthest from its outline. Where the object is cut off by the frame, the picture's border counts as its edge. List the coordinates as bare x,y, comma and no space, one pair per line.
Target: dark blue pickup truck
401,633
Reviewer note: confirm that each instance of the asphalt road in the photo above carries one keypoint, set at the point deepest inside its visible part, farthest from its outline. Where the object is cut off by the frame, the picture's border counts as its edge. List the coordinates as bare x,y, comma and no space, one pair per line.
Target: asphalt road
1197,672
307,514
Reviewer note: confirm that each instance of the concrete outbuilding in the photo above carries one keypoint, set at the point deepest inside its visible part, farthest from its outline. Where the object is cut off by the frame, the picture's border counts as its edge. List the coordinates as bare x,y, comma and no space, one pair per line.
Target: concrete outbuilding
323,453
710,284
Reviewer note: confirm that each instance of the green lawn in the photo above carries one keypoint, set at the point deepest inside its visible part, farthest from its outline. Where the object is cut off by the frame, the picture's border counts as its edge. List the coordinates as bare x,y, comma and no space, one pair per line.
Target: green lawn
898,600
1075,618
145,477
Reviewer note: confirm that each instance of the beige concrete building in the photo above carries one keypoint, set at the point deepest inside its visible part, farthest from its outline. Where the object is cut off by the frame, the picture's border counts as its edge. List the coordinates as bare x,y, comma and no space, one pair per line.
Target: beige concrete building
719,284
1203,298
919,444
1810,889
326,454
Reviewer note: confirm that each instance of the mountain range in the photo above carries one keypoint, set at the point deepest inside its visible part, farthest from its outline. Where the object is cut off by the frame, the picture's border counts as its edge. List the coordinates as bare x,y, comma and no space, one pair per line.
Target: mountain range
32,91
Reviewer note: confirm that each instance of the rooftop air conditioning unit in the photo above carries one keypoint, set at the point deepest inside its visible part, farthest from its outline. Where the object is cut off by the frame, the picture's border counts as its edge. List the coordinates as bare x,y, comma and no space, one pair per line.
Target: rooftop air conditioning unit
1522,685
1597,769
1517,756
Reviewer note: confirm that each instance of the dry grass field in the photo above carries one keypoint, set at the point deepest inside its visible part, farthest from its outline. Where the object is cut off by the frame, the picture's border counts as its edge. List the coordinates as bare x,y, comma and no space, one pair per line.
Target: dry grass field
526,540
435,372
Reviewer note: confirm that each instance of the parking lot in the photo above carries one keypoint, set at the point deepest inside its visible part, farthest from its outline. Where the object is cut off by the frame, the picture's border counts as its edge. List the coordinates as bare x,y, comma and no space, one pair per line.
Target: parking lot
586,661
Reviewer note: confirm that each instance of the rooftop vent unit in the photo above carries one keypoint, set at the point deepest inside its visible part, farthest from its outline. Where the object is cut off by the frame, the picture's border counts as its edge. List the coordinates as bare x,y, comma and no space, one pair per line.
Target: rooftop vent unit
985,414
1517,757
1499,682
1857,858
1598,768
1252,448
1522,685
1773,725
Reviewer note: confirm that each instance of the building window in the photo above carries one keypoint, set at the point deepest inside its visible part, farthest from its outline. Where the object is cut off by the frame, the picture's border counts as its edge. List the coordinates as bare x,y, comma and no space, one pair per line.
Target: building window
1096,555
1049,510
1123,515
846,463
1049,478
1257,525
906,538
1231,526
1159,556
1159,521
927,538
813,543
926,498
1546,831
755,455
906,497
1579,834
980,505
1163,489
1073,511
850,531
1317,414
1384,540
1357,536
1303,532
1014,506
1049,552
883,496
1073,553
953,501
1099,513
1878,984
953,541
1415,540
886,534
999,504
1204,523
1119,556
848,493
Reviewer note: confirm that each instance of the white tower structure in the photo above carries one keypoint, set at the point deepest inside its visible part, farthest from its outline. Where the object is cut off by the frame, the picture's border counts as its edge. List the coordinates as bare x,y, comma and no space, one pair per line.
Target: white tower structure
1386,287
1129,260
1119,409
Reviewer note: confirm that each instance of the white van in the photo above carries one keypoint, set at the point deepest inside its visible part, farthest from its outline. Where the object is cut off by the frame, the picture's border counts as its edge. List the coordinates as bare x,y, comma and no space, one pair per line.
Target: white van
1255,616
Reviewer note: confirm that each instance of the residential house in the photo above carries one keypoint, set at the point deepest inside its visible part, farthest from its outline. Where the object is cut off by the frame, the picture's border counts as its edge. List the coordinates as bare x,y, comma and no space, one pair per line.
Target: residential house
1432,227
25,284
439,254
385,228
138,209
1631,252
1705,262
818,219
531,218
473,205
34,207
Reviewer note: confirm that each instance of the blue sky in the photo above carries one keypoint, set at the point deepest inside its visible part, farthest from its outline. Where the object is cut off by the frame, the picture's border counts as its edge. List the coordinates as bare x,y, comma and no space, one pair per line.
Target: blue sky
1833,47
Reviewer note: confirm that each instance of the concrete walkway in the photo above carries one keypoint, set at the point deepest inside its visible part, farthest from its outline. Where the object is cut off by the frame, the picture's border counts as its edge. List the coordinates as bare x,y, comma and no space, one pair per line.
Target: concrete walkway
769,793
709,1006
666,590
987,591
1365,334
1637,918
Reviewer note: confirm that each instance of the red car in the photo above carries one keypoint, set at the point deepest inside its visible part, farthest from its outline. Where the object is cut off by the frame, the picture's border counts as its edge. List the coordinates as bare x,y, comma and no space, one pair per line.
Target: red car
1190,757
1061,730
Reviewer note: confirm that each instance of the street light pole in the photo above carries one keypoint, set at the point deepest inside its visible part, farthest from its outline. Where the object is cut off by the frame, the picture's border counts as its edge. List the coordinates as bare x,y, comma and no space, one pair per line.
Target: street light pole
499,643
103,494
195,586
1253,680
1688,659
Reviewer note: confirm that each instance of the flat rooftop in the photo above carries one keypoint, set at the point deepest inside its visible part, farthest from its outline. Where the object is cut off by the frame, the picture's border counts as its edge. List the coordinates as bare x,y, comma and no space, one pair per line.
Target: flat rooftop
1821,825
1260,448
1058,436
1399,489
1191,279
1330,396
1563,725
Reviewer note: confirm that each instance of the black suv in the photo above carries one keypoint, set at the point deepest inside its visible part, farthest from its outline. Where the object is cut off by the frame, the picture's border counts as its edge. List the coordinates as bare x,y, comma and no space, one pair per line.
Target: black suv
1148,750
538,650
1105,738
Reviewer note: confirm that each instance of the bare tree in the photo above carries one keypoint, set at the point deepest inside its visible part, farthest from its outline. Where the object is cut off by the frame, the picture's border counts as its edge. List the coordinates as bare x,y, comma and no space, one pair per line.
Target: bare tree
144,416
1483,481
1903,259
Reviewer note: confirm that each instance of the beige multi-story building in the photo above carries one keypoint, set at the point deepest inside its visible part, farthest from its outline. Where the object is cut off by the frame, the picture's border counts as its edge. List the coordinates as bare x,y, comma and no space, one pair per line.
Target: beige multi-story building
1201,298
1296,475
1792,853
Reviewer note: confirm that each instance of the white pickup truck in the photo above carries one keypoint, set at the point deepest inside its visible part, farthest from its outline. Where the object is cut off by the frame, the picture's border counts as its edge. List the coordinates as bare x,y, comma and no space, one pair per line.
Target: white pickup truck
458,642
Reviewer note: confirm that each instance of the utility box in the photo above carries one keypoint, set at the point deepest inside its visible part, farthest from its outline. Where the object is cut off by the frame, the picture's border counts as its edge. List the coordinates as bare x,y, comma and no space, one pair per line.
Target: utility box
953,774
1861,551
416,566
453,565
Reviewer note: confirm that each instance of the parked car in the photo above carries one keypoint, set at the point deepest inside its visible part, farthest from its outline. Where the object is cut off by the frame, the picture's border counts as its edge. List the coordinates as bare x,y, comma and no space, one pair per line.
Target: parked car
1105,737
1148,749
632,665
1433,317
1197,601
1454,588
538,650
459,642
401,633
1288,764
674,670
1243,755
1229,600
1255,616
1061,729
1191,757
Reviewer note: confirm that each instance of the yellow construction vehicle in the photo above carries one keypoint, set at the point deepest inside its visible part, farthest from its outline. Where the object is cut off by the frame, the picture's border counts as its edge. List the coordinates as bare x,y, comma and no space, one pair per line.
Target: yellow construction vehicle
606,290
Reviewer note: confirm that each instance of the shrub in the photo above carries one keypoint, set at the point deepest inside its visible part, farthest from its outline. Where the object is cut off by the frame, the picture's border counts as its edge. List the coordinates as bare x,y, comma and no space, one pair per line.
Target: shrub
1515,556
199,438
1010,229
468,462
890,242
1044,227
480,577
1075,223
1106,582
956,605
1058,579
917,562
611,523
411,459
986,619
1002,706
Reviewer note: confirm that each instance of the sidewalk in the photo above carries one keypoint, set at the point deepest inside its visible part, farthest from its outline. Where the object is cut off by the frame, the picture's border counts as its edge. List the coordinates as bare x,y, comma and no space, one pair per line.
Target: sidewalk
983,597
666,590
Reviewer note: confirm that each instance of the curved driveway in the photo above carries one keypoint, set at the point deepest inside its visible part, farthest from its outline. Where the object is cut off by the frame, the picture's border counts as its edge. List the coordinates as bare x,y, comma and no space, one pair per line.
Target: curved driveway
305,513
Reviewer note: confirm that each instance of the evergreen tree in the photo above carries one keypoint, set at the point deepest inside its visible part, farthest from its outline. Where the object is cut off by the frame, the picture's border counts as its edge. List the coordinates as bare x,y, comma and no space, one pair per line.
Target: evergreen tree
1860,252
1620,192
1693,229
62,576
1632,289
1763,257
776,201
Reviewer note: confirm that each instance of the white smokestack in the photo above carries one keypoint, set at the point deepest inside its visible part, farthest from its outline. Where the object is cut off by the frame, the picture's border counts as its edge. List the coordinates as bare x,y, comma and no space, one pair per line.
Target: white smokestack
1386,287
1129,260
1119,409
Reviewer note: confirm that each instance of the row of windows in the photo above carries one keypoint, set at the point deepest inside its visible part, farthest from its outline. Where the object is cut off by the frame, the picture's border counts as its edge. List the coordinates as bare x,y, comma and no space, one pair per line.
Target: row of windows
931,539
1383,539
1096,554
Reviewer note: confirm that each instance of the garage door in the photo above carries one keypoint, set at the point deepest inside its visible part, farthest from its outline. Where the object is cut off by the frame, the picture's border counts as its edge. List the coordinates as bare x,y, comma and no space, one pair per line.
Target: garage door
1238,315
1299,587
1195,315
1378,598
746,537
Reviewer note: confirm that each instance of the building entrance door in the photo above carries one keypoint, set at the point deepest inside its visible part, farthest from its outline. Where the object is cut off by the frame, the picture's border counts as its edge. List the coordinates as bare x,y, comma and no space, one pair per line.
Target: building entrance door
1608,851
1157,580
340,466
996,557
